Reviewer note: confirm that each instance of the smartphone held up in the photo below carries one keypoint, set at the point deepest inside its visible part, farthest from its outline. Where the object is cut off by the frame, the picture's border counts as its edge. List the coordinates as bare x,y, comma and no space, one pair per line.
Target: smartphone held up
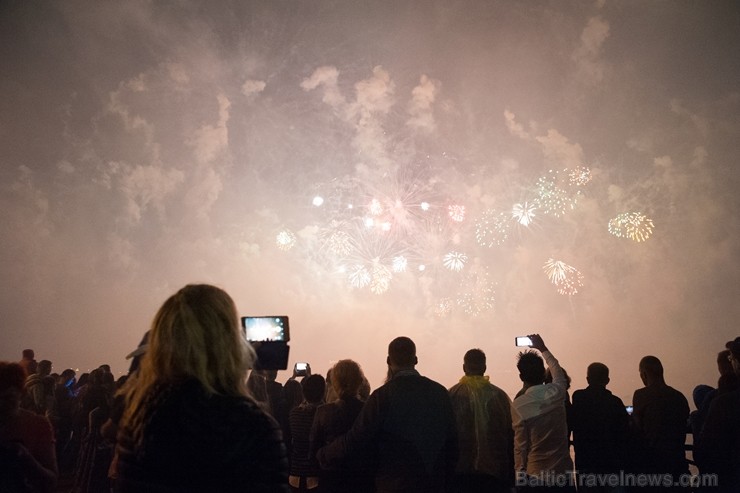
523,341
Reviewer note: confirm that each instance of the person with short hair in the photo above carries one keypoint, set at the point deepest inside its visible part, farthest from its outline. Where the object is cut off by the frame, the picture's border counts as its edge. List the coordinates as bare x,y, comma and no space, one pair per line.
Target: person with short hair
484,429
409,425
189,424
660,414
304,470
600,427
541,446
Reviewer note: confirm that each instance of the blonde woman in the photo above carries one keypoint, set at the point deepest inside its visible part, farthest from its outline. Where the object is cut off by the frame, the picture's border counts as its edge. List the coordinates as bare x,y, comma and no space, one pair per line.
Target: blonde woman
335,419
189,424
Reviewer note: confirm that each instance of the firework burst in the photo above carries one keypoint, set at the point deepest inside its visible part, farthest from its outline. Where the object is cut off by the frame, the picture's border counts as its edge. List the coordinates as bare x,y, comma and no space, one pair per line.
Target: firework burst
579,176
492,228
633,225
400,264
358,276
456,213
477,294
380,278
523,213
566,278
554,198
285,240
454,261
442,308
339,243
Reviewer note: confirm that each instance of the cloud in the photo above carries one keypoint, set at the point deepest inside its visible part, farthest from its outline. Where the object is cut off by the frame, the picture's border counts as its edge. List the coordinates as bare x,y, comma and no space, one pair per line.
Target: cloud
209,140
117,107
375,94
251,87
204,191
34,210
178,73
664,162
514,127
420,106
326,77
121,253
559,151
146,186
587,57
700,157
373,101
65,166
700,122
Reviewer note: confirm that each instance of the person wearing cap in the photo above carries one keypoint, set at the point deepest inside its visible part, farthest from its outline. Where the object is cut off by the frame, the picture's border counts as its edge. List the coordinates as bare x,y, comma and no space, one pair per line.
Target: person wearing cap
718,448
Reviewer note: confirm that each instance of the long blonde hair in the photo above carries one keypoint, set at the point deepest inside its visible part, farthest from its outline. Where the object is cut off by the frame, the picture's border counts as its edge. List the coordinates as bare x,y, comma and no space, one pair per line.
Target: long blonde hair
195,334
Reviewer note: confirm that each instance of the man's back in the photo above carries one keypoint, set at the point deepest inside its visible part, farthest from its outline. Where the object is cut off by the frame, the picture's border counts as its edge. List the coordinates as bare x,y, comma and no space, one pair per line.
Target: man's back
485,434
409,424
600,429
661,413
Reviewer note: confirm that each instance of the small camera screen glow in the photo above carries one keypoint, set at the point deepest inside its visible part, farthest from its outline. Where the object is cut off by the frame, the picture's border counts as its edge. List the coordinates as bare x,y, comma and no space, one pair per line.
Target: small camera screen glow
265,328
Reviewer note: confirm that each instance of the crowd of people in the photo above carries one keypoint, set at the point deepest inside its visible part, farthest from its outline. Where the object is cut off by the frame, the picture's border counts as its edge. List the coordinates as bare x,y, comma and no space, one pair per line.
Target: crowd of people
187,418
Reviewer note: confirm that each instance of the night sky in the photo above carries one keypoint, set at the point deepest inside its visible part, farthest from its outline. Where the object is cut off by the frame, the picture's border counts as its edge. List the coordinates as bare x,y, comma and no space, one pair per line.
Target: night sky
148,145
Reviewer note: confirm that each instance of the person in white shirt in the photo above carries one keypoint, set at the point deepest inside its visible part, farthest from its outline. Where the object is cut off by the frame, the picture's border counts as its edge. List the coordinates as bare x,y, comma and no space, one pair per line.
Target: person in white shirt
541,448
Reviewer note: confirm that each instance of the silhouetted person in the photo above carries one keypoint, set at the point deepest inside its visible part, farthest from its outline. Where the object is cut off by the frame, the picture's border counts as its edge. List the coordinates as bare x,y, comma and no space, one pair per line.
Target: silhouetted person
27,455
704,394
600,427
718,448
35,398
189,423
66,412
333,420
28,362
94,458
541,448
409,424
484,430
660,415
304,470
293,394
276,397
